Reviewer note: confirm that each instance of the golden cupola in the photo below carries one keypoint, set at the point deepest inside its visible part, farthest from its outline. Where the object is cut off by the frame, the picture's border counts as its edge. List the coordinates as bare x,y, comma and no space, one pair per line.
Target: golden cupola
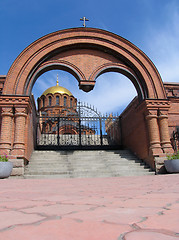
56,99
57,89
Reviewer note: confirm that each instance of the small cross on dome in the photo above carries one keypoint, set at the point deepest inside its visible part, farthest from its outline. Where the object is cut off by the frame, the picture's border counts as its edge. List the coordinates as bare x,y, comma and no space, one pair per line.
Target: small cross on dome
84,19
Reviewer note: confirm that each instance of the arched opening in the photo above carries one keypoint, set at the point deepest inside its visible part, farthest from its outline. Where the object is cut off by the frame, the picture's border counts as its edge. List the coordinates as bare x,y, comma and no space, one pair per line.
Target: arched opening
112,92
71,102
108,96
49,101
65,101
57,100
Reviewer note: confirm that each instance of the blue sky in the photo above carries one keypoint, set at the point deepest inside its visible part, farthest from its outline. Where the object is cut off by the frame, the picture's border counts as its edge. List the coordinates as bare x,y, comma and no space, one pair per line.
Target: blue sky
152,25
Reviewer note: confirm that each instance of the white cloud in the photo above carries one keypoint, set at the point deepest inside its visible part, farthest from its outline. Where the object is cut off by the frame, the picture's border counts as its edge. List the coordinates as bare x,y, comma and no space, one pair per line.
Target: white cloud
112,93
163,44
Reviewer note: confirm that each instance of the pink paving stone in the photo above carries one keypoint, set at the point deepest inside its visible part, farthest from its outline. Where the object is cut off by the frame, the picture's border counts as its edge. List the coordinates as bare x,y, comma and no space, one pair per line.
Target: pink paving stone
164,196
115,215
11,218
116,204
149,235
142,203
3,209
169,220
22,204
174,206
67,229
58,209
91,200
4,199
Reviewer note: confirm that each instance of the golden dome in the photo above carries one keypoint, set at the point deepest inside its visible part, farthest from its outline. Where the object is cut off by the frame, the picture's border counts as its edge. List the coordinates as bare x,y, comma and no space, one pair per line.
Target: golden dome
57,89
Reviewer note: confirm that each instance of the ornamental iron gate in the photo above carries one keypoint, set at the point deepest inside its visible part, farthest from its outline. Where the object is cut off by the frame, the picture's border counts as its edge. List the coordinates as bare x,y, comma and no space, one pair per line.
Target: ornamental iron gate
82,128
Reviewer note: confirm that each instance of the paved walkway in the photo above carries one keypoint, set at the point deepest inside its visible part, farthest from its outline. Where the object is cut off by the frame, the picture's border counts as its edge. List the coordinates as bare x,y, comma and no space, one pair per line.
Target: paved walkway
128,208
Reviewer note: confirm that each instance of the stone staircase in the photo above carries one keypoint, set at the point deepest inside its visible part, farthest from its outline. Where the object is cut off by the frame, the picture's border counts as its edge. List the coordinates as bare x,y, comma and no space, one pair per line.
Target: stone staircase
82,164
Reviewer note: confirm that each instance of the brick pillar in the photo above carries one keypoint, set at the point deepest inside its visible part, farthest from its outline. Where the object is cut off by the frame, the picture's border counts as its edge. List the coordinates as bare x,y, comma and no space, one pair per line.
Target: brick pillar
164,133
19,131
6,130
153,130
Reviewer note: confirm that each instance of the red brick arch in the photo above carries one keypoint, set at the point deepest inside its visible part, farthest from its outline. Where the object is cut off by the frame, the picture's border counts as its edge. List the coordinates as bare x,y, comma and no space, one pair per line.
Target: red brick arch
49,65
125,70
86,53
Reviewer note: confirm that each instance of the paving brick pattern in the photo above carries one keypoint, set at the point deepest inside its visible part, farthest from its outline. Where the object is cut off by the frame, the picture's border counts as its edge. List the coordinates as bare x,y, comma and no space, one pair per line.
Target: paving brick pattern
121,208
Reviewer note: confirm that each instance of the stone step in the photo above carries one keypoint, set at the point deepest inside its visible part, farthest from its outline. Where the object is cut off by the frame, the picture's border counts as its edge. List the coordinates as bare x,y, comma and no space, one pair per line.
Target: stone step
69,171
49,155
87,165
112,167
104,164
87,173
77,164
105,157
89,159
81,153
85,176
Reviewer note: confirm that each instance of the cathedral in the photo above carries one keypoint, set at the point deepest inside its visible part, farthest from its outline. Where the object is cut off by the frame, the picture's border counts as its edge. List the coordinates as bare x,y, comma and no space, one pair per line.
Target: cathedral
57,101
59,116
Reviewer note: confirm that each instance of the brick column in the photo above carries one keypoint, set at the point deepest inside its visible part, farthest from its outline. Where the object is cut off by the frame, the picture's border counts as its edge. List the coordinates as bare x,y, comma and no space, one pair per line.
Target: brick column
164,133
19,131
6,130
153,130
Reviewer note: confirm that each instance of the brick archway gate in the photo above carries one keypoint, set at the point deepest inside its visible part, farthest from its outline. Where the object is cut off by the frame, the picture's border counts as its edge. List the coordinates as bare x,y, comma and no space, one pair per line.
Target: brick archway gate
86,53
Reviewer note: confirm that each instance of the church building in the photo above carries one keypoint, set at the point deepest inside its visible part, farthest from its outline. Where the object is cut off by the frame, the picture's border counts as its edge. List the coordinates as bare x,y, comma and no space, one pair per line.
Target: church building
58,104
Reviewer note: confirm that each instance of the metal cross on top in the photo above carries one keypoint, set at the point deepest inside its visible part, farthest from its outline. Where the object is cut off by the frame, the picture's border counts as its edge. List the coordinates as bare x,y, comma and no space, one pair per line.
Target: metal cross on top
84,19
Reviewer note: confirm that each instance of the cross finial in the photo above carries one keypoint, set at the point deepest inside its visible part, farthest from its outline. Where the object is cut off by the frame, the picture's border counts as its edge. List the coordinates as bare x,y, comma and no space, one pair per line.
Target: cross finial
84,19
57,79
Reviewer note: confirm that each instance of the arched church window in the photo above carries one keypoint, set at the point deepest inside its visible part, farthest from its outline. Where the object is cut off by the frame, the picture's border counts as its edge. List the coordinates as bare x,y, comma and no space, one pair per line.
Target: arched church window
71,102
57,100
65,101
49,100
43,102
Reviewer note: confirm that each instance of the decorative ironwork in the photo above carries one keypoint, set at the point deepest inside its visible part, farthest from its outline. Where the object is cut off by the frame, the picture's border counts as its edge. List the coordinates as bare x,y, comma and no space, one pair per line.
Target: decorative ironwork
83,128
175,139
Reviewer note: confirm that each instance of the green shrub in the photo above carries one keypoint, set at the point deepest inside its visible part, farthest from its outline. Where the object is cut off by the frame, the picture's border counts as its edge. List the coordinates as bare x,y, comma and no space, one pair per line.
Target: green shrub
3,158
173,156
